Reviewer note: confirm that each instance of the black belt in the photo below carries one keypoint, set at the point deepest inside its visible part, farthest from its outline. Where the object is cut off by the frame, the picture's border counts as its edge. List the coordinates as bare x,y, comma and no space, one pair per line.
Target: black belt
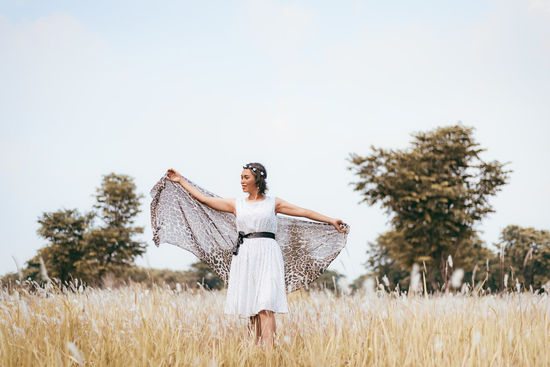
242,236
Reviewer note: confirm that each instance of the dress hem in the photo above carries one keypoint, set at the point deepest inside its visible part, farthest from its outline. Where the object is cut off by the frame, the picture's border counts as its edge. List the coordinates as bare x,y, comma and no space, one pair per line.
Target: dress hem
250,315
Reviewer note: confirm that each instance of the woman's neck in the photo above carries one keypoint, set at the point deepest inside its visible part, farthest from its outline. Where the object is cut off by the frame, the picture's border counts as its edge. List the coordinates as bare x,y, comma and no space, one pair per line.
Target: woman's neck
255,196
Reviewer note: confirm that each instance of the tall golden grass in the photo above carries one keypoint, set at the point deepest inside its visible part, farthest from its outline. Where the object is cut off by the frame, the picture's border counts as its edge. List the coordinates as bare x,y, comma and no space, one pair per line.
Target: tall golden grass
135,326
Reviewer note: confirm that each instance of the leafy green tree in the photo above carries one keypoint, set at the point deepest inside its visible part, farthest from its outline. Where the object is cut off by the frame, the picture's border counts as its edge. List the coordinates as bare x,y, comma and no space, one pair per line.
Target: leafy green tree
524,253
117,202
111,247
435,192
65,231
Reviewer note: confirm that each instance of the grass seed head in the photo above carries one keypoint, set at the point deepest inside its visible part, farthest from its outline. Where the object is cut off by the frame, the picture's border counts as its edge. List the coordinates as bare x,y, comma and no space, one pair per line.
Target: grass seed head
386,281
456,278
415,278
368,286
43,271
76,354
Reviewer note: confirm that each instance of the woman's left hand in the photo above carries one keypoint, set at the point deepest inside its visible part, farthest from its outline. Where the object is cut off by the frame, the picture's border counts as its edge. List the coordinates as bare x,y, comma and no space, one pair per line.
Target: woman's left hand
336,223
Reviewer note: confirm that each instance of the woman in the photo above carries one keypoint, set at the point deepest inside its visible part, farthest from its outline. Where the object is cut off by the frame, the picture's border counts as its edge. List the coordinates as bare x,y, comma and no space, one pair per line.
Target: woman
256,284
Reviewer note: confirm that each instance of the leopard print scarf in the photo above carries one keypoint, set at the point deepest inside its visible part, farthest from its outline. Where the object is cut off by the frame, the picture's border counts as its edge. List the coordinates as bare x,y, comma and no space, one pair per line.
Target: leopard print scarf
179,219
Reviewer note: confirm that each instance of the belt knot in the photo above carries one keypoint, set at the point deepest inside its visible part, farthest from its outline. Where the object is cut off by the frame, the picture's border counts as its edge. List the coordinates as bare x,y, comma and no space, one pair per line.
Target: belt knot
242,236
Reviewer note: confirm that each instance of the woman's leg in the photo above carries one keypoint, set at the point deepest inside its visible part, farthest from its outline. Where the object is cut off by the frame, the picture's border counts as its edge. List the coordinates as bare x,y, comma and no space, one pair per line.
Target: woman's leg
255,327
267,323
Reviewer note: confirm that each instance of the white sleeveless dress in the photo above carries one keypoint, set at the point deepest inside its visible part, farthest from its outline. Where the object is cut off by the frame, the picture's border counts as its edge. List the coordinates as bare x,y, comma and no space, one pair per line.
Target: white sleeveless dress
256,277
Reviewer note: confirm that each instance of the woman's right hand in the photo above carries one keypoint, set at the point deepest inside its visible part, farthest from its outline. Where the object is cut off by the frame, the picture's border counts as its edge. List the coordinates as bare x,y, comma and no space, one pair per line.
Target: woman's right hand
173,175
338,224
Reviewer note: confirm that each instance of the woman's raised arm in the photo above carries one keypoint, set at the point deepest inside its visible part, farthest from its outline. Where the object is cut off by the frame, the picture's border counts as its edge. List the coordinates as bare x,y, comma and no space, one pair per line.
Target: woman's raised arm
284,207
224,205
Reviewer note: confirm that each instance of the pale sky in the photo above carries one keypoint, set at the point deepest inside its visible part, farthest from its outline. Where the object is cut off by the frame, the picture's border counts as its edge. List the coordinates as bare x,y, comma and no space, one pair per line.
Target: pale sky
136,87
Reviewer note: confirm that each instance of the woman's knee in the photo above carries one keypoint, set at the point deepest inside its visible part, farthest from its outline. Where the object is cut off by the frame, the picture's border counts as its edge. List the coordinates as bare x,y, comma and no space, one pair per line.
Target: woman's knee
266,313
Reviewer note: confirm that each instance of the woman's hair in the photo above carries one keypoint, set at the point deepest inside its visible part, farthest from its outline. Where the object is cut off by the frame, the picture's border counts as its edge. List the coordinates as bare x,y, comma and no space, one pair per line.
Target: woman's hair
260,175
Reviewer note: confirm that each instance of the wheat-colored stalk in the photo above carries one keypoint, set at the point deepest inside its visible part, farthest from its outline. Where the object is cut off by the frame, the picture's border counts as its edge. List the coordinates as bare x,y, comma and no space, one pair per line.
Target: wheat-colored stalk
136,326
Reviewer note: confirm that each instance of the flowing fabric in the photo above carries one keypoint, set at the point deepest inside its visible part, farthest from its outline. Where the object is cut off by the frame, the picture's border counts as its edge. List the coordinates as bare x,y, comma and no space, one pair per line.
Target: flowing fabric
177,218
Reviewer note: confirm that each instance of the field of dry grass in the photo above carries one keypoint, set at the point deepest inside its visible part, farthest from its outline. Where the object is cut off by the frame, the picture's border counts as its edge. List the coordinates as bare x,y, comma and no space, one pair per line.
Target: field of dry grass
134,326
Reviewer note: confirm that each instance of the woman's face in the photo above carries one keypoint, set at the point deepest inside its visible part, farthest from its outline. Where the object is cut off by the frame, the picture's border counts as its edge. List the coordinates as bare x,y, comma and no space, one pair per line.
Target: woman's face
247,180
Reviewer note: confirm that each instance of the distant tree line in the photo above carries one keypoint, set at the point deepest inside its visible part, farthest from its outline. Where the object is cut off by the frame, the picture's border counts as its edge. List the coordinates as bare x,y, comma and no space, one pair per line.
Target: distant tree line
435,193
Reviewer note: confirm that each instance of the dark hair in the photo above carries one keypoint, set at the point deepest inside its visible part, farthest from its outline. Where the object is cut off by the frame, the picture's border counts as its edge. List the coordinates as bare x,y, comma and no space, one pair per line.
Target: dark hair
260,175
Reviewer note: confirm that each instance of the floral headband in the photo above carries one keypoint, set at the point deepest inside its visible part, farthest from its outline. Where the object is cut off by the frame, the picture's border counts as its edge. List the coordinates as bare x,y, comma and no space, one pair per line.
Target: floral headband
247,166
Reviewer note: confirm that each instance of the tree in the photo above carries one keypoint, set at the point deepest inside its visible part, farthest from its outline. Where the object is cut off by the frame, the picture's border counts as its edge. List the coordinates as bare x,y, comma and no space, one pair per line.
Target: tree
435,192
65,231
111,247
79,249
524,253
